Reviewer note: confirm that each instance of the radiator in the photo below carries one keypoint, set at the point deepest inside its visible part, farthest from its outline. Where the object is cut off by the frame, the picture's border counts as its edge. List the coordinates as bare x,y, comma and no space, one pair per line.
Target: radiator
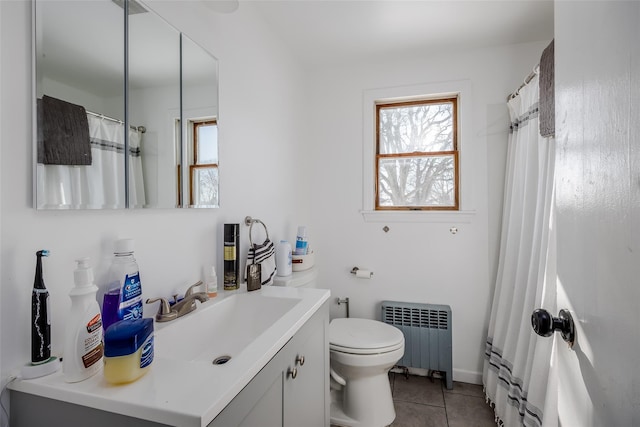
427,335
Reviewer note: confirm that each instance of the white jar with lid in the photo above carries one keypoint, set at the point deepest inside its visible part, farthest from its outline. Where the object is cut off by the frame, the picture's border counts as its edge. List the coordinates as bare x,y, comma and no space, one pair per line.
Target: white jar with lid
283,258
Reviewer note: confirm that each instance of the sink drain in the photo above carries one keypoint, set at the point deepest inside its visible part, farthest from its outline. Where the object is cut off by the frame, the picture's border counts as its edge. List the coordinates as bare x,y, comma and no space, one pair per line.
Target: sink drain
221,360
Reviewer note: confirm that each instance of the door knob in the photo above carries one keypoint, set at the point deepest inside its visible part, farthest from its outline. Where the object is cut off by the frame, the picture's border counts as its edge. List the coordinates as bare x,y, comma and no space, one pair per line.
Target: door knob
544,324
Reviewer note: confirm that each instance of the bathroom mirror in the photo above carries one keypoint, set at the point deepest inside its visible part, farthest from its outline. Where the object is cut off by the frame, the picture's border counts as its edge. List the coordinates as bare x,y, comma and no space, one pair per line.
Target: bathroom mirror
80,70
200,126
154,104
79,65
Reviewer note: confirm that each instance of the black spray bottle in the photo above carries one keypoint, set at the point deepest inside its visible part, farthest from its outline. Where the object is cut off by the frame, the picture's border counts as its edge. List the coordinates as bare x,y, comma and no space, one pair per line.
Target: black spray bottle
40,316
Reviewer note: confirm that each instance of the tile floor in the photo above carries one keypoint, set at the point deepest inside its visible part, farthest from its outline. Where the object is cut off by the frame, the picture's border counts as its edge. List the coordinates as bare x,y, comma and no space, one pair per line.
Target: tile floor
423,402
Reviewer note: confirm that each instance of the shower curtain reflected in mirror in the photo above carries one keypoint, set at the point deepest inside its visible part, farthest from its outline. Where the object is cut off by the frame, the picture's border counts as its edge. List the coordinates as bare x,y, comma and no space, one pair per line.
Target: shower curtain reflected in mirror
99,185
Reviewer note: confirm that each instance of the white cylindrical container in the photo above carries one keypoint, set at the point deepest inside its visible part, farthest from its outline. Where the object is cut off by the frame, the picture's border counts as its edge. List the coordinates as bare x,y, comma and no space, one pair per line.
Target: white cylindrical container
283,258
301,241
83,348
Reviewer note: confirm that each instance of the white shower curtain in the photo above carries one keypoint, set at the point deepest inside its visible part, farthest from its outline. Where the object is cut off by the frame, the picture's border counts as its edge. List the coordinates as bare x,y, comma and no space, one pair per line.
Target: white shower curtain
516,373
136,180
100,185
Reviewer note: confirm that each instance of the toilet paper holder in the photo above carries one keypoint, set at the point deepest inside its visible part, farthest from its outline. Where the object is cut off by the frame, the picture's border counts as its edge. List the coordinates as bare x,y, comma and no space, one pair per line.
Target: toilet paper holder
365,274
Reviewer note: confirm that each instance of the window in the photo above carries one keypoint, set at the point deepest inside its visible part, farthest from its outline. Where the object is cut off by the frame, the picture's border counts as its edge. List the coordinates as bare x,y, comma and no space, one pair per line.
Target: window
468,174
416,158
203,170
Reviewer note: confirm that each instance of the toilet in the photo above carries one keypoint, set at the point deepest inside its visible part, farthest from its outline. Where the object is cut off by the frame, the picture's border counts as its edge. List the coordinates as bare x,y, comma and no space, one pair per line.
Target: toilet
362,351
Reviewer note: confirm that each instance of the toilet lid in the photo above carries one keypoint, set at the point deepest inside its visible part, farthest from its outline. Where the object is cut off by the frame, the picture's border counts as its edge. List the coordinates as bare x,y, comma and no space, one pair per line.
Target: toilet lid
363,336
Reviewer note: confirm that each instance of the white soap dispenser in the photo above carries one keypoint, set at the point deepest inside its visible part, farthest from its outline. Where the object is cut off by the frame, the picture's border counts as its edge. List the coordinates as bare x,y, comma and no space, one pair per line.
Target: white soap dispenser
83,349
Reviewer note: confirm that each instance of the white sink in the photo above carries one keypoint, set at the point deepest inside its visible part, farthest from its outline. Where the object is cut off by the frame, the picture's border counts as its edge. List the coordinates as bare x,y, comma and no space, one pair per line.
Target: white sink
218,331
183,387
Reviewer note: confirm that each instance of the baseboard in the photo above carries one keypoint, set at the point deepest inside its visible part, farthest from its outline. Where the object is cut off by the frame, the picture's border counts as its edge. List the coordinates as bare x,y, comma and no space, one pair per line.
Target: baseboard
469,377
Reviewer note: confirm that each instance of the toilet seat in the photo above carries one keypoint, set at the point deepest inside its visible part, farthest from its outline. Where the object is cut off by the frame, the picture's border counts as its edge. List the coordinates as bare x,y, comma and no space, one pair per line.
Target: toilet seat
363,336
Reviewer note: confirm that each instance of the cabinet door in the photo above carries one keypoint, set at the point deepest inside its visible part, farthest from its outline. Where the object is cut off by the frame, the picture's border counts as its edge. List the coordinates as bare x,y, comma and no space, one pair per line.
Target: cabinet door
305,396
259,404
266,412
274,398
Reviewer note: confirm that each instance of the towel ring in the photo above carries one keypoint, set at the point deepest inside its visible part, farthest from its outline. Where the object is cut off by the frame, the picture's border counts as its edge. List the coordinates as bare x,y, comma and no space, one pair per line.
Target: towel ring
253,221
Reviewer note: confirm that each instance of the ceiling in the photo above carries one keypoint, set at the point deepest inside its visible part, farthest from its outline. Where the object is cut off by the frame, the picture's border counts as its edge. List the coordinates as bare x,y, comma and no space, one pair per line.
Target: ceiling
329,32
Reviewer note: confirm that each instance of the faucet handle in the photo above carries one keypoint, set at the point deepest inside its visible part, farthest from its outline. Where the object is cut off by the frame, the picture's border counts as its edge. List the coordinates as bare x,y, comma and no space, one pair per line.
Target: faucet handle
190,291
164,312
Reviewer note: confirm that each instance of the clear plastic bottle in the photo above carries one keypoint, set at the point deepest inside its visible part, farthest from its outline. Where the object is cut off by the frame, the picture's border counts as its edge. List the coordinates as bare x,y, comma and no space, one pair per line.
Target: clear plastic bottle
212,283
83,349
122,297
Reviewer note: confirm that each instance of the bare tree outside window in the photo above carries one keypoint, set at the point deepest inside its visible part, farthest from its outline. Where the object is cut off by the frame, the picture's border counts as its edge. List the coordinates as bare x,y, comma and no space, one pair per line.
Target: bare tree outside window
416,156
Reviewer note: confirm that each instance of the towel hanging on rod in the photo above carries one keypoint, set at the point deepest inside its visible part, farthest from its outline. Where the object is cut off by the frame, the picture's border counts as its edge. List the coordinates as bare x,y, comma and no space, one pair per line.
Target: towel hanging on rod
263,254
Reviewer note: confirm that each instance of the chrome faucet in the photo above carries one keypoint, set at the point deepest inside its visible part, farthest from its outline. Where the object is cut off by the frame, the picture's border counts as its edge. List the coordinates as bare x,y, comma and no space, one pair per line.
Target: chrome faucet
188,303
168,312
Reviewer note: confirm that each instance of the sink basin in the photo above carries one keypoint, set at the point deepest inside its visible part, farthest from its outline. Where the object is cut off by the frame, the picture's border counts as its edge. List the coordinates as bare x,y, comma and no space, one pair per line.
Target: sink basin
217,331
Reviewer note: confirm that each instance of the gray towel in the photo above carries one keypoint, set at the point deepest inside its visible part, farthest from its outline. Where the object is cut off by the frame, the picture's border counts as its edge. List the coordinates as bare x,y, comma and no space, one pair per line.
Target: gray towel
63,133
547,93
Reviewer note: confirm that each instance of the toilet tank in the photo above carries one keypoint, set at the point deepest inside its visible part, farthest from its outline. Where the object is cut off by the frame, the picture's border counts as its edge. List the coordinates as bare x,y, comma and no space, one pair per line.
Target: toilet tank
298,279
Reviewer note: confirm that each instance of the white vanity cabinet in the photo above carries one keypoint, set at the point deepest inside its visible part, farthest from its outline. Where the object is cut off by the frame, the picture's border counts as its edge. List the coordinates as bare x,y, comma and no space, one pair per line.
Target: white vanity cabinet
292,390
272,397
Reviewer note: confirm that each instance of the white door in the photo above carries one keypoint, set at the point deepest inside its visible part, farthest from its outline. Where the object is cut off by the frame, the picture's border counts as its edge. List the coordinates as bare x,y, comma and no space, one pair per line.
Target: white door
597,48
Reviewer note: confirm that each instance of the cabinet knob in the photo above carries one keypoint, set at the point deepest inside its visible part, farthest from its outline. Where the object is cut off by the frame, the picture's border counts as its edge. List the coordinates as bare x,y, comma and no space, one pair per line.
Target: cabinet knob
292,372
300,360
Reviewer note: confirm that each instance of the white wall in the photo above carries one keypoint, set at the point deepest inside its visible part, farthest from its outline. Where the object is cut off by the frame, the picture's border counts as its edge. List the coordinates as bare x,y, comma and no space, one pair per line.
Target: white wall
417,261
156,109
309,163
260,121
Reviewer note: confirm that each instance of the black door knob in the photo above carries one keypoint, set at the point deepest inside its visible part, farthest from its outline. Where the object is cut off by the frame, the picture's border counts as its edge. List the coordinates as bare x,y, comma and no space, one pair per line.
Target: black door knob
544,324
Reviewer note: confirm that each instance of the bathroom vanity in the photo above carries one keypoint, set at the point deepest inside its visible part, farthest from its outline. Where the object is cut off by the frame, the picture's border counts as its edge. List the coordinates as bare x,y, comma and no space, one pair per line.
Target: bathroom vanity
277,374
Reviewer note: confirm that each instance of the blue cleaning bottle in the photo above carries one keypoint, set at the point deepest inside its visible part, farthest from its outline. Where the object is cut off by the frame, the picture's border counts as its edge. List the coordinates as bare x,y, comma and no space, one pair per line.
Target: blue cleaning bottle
40,316
122,294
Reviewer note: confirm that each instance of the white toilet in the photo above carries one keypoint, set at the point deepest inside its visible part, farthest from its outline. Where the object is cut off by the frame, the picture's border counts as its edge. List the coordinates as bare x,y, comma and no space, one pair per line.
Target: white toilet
362,351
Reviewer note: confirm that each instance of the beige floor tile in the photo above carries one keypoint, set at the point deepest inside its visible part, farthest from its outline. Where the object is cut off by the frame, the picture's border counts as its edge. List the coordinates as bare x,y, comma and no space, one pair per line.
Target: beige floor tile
417,415
468,411
418,389
466,389
421,402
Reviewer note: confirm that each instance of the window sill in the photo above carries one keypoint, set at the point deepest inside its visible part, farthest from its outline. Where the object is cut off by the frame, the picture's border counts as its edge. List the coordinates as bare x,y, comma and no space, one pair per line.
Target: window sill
460,217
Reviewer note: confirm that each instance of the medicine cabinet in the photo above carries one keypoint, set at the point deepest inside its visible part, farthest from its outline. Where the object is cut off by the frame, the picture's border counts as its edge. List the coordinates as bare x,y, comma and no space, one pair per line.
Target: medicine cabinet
104,66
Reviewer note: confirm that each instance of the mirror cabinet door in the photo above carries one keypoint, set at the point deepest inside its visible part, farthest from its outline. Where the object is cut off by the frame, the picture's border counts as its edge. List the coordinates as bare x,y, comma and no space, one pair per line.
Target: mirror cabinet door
79,73
199,126
79,120
154,111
